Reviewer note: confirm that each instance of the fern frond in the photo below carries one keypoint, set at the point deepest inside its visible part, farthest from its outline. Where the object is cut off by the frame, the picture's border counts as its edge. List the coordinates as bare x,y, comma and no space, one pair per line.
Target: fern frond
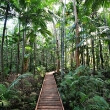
16,81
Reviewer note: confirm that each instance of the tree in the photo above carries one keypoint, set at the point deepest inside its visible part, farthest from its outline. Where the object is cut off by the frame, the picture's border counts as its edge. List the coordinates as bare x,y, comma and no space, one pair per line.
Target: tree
2,43
77,34
62,38
57,47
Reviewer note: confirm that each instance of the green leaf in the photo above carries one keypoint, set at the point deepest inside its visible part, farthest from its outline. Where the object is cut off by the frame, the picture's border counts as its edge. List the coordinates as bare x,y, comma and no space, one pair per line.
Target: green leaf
3,89
5,103
83,97
28,48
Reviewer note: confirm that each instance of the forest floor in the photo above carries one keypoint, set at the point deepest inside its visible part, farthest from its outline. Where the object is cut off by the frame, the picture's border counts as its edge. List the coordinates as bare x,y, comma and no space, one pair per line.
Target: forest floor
25,93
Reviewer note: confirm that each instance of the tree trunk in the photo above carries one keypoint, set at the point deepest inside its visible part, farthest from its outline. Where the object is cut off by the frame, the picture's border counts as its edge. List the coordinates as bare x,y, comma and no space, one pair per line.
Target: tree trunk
77,34
46,61
72,57
18,50
65,56
87,55
54,59
11,59
101,55
58,56
6,50
34,57
62,39
109,48
2,43
82,53
23,51
62,51
43,58
82,59
97,57
93,55
57,49
31,59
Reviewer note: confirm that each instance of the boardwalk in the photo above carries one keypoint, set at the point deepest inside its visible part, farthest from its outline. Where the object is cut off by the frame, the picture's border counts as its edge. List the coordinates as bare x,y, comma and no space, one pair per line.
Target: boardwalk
49,98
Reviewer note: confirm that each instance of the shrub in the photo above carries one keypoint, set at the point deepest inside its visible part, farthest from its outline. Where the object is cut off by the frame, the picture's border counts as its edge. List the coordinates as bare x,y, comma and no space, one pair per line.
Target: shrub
84,91
7,93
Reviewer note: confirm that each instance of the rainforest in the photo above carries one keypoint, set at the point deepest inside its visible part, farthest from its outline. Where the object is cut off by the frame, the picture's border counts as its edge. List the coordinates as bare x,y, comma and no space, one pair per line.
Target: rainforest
54,54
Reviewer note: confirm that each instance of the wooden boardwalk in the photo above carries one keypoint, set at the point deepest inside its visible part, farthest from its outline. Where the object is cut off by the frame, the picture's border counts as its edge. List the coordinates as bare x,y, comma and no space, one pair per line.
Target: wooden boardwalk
49,98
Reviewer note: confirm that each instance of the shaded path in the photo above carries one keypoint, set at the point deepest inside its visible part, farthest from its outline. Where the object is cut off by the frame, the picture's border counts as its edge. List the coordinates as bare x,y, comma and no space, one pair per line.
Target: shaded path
49,98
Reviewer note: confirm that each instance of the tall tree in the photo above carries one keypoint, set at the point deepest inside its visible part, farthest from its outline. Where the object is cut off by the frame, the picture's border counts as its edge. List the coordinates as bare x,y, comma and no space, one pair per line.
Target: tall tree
57,47
62,38
77,34
2,43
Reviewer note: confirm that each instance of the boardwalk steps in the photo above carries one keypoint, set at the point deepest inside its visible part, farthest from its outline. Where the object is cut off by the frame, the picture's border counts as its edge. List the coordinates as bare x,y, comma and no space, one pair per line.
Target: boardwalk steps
49,98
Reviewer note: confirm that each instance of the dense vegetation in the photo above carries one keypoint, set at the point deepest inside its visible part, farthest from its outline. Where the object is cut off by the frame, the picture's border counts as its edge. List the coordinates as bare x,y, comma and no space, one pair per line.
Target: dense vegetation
85,92
38,36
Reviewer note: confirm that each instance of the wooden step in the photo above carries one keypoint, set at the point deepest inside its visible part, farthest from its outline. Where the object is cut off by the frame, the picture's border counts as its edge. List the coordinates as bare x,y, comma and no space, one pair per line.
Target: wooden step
49,98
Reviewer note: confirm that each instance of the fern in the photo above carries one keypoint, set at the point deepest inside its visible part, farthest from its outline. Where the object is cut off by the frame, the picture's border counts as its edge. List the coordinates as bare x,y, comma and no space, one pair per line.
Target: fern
2,88
7,93
83,92
97,103
16,81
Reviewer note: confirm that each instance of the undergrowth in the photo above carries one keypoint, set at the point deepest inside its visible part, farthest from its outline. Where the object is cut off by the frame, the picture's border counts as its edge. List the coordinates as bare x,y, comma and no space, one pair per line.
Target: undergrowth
22,93
80,90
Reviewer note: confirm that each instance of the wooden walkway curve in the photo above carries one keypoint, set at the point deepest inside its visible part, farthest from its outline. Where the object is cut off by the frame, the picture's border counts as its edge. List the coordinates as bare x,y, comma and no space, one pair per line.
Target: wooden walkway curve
49,98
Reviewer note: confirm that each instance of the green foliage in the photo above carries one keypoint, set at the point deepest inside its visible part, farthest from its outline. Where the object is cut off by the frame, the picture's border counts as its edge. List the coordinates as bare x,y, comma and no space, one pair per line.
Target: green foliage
41,70
97,103
2,88
18,79
5,103
7,93
84,91
96,4
28,48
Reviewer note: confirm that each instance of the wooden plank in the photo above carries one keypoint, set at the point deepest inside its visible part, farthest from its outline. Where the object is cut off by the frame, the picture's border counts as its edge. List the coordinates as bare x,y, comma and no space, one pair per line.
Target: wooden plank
50,107
49,98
